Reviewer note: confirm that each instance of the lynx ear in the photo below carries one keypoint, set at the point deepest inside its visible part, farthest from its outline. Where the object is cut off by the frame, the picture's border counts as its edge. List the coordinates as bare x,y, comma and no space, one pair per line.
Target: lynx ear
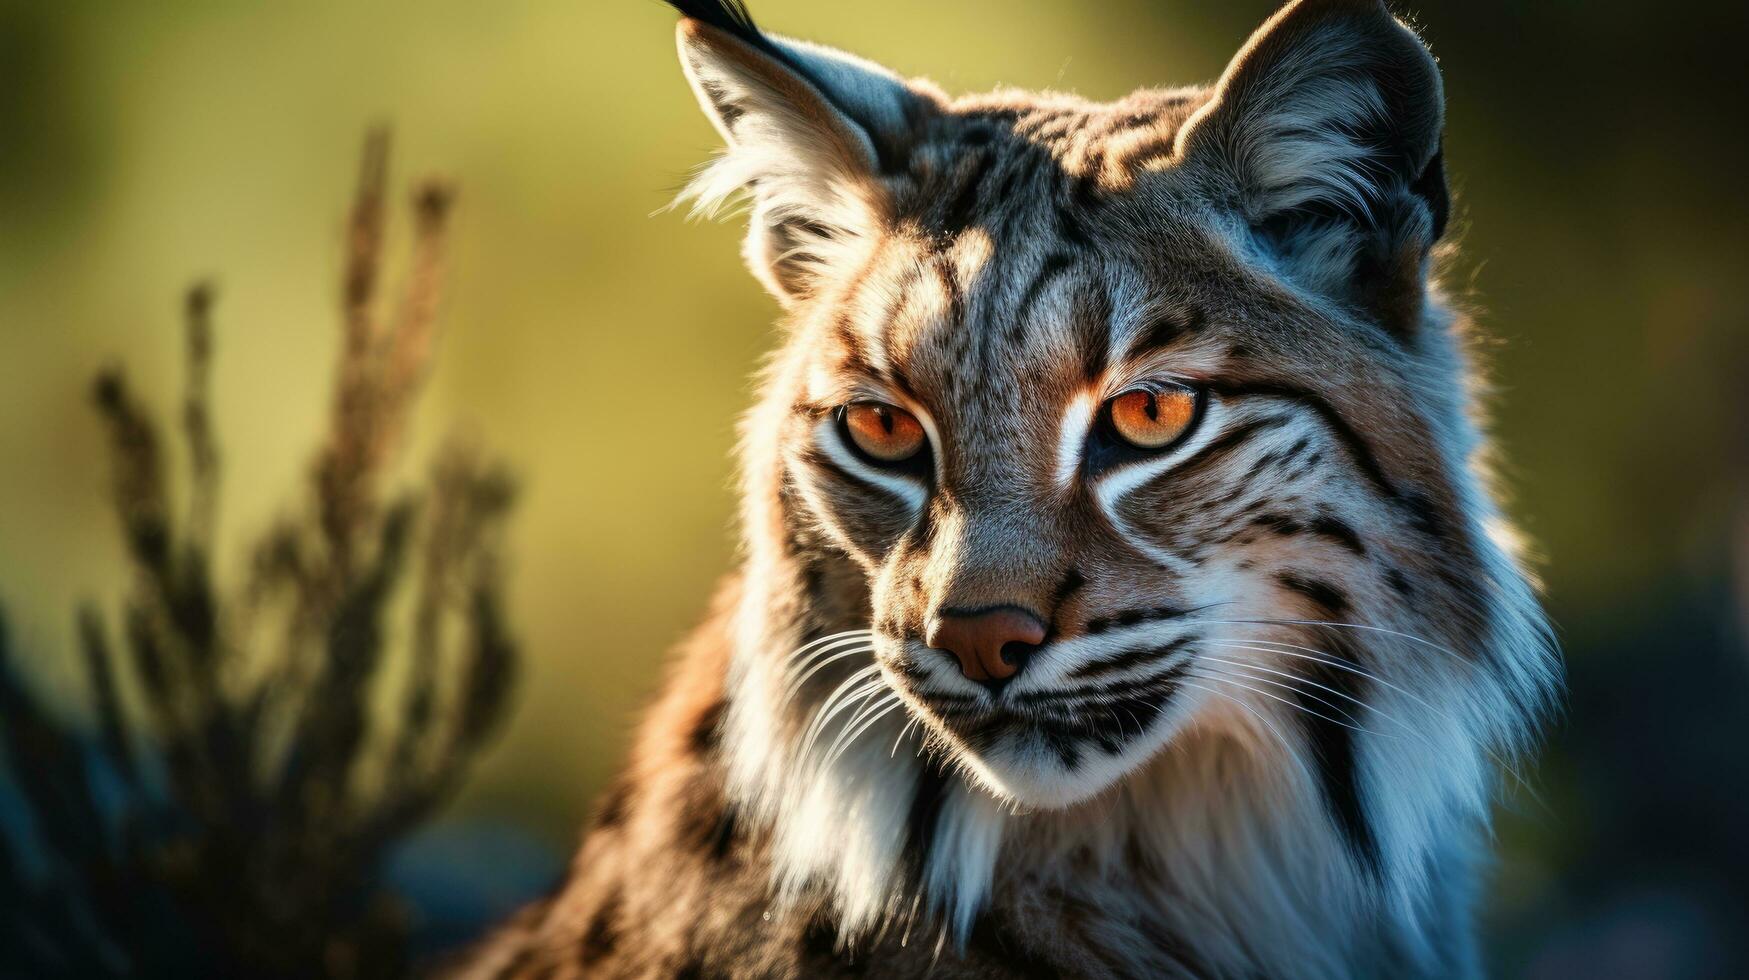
1324,132
809,132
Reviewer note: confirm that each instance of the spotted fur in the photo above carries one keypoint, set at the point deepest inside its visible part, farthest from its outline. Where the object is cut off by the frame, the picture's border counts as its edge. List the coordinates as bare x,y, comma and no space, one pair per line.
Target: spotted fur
1288,656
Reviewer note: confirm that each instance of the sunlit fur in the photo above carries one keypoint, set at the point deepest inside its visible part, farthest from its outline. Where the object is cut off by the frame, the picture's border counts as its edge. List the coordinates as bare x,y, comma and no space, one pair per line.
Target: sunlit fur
1289,656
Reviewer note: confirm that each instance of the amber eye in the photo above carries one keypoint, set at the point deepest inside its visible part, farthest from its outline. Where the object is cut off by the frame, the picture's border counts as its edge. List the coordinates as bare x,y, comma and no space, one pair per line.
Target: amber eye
882,432
1154,416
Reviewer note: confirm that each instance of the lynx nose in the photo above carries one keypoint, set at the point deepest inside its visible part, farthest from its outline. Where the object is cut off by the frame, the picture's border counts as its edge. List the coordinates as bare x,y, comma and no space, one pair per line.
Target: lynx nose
992,644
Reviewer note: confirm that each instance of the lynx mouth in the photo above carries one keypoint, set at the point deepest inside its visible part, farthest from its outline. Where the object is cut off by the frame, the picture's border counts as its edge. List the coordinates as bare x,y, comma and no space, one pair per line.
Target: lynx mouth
1062,726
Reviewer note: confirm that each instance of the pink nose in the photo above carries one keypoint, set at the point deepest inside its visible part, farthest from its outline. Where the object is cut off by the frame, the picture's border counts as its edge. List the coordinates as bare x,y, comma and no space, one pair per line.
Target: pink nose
991,644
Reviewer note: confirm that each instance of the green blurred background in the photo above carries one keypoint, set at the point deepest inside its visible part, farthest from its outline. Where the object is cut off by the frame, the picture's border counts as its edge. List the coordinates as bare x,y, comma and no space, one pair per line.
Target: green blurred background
605,350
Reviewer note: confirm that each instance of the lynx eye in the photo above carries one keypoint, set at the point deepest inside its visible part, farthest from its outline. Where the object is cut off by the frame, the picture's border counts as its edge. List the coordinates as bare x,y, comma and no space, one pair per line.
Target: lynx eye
1154,416
883,433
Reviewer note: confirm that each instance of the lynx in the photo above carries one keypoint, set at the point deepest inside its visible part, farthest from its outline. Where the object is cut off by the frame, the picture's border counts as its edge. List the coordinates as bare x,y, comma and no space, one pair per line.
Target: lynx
1123,591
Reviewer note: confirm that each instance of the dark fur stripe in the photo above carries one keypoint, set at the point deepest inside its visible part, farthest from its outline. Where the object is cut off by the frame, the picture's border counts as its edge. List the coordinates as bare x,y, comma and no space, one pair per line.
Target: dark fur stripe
1114,719
1131,658
1125,686
1223,446
1330,600
1071,228
1358,447
1338,531
707,729
1124,660
723,840
951,288
1323,526
1335,757
1094,312
1072,582
964,205
601,938
1054,265
616,803
1398,583
924,815
1134,617
856,359
819,460
1163,331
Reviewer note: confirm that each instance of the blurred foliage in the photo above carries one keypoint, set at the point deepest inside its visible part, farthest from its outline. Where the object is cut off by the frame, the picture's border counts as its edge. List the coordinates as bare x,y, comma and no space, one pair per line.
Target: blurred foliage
236,820
607,351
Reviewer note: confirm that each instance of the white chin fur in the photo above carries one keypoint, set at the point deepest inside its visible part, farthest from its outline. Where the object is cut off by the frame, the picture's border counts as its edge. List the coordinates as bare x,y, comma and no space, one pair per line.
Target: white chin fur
1038,785
1023,772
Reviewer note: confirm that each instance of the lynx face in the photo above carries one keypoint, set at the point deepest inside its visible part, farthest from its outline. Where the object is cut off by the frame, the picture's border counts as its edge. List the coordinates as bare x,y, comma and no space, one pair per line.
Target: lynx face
1124,419
1084,474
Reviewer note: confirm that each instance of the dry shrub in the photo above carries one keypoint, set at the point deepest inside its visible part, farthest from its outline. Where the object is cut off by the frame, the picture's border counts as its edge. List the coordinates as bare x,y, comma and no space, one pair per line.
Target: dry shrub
255,748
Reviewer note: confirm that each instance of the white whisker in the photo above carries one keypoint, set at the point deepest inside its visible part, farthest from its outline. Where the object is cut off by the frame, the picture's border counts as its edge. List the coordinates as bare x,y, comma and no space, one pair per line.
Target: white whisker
1351,626
869,722
827,707
1323,657
870,703
1216,675
1286,746
795,685
1307,680
1285,685
806,654
903,733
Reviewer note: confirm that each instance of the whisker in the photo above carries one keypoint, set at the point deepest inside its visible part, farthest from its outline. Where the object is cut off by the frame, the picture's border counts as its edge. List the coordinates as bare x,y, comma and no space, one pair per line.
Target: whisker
903,734
1140,728
826,709
1329,659
795,685
1286,746
1342,663
831,637
870,703
1291,686
1375,709
805,654
855,701
1351,626
869,722
1324,657
1215,675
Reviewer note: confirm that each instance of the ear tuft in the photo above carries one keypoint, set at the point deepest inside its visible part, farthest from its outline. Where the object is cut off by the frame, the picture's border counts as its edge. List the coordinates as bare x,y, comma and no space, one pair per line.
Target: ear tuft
729,16
809,131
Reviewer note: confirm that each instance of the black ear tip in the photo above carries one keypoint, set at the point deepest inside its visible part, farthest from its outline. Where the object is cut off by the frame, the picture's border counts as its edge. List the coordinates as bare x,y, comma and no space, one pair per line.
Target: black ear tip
728,15
732,18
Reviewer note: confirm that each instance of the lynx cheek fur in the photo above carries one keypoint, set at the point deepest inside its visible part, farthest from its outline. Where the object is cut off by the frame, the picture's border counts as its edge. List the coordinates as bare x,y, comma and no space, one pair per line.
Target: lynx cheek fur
1122,594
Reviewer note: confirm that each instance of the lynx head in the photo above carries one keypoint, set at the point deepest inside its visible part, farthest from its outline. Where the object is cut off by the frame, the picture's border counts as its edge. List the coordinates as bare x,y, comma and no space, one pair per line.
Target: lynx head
1115,423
